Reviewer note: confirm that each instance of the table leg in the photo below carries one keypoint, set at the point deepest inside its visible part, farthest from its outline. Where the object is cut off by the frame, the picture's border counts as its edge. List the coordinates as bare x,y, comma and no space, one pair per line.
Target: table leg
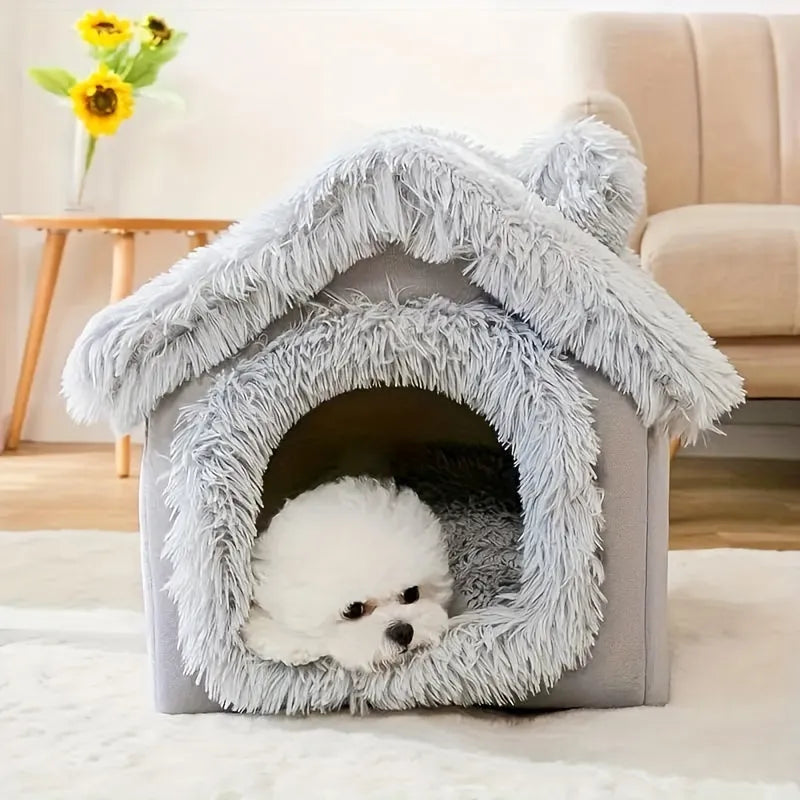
45,285
121,286
197,239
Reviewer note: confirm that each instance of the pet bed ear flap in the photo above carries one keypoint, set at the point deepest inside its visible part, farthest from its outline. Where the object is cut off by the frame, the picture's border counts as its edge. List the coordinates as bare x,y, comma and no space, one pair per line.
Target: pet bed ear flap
591,174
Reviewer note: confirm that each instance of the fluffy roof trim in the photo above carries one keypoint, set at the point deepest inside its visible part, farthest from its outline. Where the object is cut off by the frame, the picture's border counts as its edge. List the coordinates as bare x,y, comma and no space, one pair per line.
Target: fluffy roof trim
441,198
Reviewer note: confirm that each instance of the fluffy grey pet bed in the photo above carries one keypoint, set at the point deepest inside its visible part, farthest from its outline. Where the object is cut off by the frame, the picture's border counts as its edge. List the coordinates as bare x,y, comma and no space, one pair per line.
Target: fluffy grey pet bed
524,269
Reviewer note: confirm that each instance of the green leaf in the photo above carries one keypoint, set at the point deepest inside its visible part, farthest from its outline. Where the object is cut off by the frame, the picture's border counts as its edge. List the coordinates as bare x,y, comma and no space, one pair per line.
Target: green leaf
53,80
143,71
142,68
114,59
168,50
89,154
165,53
174,42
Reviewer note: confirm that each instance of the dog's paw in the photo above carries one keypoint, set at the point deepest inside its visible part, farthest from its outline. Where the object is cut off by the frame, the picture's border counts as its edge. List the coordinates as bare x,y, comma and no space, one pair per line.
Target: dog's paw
255,632
272,642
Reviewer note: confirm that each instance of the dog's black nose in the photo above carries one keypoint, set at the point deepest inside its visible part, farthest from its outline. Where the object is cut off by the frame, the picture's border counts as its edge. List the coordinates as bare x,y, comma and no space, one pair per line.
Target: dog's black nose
401,633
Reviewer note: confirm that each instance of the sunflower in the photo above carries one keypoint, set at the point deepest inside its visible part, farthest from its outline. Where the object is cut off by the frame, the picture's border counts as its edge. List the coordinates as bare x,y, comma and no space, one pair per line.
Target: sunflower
155,31
102,101
101,29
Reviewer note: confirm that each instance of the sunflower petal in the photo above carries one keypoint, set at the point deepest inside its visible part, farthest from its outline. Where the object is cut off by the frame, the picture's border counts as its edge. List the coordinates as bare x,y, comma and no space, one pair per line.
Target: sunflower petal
103,30
102,101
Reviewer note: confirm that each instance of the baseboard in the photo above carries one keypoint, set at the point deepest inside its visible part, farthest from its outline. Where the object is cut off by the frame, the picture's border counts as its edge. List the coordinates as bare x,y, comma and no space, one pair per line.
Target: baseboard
760,429
767,412
781,442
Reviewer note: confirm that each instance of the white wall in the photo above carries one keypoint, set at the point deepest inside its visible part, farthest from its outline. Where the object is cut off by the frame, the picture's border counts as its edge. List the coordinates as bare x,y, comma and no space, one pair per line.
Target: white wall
10,87
271,88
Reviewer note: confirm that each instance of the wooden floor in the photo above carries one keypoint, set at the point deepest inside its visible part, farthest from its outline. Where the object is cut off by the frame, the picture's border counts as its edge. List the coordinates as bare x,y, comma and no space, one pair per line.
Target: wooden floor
735,503
714,503
66,487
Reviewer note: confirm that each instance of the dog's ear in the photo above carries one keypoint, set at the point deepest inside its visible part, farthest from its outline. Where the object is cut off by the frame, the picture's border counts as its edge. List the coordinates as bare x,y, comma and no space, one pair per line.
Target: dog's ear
272,641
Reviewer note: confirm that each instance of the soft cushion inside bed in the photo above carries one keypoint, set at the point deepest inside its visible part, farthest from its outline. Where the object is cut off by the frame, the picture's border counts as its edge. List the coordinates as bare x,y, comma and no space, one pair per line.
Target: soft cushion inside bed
473,491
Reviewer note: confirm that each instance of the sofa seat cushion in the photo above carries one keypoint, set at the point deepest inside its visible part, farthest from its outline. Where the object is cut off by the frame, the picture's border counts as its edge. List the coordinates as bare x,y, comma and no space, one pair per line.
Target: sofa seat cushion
733,266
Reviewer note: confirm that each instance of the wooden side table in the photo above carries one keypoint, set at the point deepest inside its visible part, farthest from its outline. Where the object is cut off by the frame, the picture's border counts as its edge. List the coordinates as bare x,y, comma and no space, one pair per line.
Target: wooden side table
124,230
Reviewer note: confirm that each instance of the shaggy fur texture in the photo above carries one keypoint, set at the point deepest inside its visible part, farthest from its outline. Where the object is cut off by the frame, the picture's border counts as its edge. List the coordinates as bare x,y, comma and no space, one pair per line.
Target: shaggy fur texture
441,199
554,268
475,354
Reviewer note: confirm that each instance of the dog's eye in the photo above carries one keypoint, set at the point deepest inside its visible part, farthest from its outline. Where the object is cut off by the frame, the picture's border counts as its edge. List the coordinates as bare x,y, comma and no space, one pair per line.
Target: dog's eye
411,595
354,611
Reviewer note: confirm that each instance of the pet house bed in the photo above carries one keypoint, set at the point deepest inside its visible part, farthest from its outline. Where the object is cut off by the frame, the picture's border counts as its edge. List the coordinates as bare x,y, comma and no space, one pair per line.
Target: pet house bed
479,321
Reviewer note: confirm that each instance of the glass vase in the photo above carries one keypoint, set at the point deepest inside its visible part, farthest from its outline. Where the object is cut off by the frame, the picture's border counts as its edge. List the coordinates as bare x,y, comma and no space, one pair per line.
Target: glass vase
83,146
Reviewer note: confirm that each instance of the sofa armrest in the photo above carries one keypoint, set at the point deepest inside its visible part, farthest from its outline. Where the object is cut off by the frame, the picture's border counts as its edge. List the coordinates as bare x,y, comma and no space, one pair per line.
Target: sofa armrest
612,110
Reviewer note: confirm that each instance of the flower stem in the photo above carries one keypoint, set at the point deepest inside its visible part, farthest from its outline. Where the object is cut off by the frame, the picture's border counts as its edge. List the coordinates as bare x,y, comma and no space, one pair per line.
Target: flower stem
86,164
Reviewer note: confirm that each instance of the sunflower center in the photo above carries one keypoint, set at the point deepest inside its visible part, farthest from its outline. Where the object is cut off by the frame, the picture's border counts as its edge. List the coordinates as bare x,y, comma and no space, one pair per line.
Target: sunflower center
102,102
105,26
156,25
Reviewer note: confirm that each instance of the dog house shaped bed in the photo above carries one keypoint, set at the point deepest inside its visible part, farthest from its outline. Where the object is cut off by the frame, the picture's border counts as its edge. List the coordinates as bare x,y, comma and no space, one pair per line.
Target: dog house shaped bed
478,322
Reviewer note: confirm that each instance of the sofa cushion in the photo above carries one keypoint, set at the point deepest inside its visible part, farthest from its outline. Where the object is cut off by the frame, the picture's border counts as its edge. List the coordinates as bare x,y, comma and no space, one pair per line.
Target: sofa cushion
770,365
734,267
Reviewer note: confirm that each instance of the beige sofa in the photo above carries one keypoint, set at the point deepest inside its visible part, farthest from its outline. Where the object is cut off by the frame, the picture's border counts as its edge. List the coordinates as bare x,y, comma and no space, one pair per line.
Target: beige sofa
713,104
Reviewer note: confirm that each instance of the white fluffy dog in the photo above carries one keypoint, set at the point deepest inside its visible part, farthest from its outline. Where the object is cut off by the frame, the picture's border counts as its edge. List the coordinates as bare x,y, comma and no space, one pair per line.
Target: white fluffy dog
355,570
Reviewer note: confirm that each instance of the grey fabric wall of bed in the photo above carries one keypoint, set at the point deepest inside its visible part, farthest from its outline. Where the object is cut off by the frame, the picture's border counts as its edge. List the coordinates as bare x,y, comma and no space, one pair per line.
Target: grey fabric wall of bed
443,306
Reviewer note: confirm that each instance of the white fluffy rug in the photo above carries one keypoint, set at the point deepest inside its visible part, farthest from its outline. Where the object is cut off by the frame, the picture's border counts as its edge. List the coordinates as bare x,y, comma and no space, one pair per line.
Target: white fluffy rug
75,719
